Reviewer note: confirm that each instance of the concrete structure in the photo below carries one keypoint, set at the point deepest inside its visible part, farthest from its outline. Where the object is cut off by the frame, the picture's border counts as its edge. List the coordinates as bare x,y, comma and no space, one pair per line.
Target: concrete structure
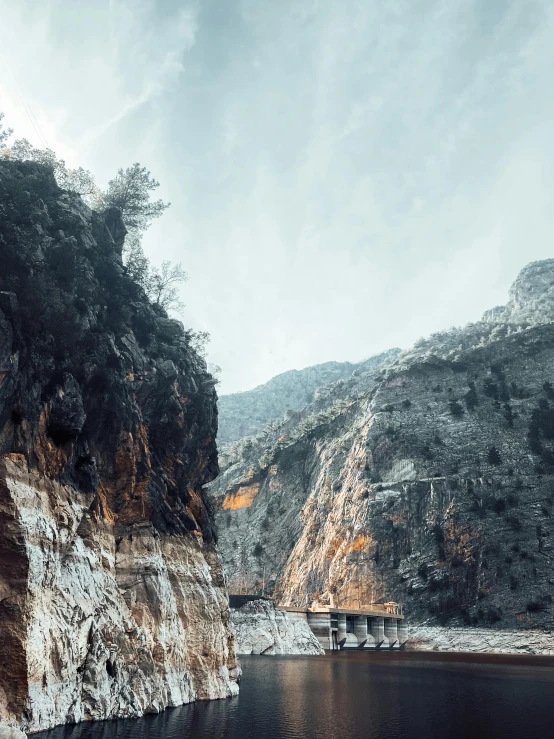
373,627
377,629
391,631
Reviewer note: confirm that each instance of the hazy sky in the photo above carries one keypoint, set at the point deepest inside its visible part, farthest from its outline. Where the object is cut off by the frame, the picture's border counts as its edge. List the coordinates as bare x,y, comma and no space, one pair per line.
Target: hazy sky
345,175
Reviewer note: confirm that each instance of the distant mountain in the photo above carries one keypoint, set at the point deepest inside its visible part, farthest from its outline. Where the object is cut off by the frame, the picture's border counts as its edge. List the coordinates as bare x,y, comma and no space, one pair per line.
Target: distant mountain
247,413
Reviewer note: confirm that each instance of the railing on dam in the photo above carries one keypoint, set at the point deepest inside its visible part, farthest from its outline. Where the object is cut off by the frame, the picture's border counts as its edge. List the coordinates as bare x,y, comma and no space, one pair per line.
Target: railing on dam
375,609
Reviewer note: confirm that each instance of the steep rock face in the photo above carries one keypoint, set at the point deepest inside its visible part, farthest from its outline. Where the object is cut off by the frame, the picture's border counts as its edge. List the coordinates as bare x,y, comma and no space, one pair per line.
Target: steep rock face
113,598
531,296
260,628
434,488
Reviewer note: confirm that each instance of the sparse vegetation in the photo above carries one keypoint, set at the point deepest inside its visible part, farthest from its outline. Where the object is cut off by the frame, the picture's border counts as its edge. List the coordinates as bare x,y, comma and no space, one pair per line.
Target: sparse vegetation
471,398
514,522
549,390
493,456
494,615
456,408
535,606
131,192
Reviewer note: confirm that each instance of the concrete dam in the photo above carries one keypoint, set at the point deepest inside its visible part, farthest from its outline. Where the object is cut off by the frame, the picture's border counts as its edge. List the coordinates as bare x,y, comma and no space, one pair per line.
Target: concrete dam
374,627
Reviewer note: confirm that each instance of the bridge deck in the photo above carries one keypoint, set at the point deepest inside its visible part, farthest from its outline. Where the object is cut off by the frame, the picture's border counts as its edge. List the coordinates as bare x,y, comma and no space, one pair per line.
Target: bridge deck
372,610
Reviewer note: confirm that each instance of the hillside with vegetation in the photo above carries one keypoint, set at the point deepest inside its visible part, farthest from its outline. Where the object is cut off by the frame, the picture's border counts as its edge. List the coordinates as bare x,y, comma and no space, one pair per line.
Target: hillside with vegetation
427,482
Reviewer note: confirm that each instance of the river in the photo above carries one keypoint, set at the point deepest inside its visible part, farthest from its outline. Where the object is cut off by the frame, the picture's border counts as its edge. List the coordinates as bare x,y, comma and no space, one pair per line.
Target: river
353,696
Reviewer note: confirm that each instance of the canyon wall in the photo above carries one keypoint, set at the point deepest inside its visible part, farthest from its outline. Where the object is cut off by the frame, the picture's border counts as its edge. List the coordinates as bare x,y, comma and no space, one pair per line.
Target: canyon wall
429,482
113,599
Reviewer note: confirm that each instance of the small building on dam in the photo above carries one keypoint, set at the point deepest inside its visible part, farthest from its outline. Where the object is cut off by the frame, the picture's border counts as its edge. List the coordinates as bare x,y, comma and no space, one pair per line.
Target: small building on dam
373,627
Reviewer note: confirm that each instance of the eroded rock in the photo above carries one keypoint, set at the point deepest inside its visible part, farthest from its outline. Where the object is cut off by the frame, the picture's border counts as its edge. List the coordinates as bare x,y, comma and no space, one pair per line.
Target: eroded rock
260,628
503,641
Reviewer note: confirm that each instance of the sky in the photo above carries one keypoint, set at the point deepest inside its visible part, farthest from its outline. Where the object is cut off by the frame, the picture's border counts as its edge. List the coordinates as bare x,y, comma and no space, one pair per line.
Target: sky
345,175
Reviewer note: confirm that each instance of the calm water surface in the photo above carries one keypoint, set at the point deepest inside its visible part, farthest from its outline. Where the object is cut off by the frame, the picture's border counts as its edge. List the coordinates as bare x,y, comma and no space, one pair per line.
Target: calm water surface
350,695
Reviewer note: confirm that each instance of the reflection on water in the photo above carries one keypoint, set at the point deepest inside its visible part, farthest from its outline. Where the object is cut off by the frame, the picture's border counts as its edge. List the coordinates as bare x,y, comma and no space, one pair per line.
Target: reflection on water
351,695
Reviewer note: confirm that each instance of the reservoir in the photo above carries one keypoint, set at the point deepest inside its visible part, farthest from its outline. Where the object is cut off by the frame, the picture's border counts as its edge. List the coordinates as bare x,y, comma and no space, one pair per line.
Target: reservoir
350,695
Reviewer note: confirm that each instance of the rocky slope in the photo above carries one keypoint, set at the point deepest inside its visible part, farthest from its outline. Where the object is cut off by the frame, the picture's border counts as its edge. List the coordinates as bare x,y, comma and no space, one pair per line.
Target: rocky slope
248,413
260,628
429,483
468,639
112,597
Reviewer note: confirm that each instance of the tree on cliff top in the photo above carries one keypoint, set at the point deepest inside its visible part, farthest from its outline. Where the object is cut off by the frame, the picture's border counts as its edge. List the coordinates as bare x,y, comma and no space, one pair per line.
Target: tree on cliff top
130,191
77,180
5,133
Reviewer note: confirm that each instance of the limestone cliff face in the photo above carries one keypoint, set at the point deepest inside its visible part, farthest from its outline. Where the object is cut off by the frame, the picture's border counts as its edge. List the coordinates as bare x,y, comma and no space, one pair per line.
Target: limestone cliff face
469,639
260,628
112,595
429,484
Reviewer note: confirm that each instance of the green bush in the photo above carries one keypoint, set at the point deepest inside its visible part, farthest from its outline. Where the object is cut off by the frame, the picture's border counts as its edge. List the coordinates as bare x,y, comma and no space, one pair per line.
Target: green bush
493,456
514,522
499,505
456,408
471,398
493,615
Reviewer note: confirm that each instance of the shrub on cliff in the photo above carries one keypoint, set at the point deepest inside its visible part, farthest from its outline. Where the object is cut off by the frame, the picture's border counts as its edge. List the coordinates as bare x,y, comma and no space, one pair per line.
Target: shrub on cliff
130,191
493,456
471,398
456,409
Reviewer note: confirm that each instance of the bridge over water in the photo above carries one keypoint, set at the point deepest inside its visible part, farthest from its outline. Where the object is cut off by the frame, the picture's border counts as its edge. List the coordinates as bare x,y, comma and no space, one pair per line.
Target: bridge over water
373,627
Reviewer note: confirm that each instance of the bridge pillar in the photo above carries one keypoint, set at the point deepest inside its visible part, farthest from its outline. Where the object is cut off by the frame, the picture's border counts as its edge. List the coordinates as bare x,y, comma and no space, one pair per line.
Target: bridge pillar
377,629
391,632
402,627
360,628
341,627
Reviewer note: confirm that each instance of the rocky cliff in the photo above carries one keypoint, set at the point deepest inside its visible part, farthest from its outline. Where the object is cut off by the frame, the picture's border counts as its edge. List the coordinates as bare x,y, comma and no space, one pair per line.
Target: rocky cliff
469,639
112,596
260,628
429,482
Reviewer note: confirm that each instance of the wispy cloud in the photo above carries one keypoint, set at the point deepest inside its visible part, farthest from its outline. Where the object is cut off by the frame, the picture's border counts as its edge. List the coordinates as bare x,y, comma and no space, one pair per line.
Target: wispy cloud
345,175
